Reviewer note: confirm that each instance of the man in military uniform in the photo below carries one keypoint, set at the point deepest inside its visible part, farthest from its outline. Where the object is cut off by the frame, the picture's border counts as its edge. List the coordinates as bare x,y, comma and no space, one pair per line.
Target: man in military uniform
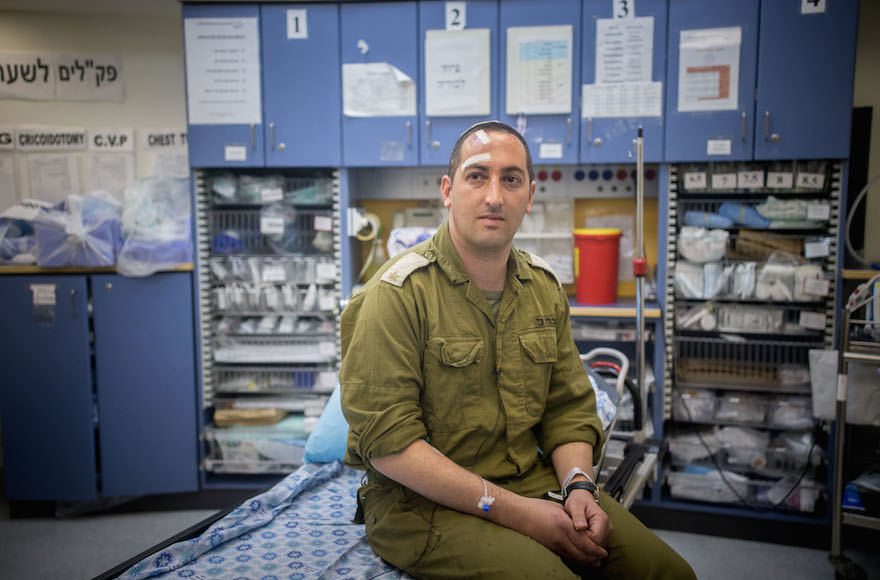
467,400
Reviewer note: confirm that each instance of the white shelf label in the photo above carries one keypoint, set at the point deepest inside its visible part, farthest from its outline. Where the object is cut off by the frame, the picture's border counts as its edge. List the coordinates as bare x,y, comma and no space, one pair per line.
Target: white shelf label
327,302
780,179
750,179
816,249
325,271
550,151
718,147
456,15
272,226
235,153
274,273
810,180
724,181
812,320
327,348
272,194
695,180
44,294
323,223
817,286
818,211
297,24
812,6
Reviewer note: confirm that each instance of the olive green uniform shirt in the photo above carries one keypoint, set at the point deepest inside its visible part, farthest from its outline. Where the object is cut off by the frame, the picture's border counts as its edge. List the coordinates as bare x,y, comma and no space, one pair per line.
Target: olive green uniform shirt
424,357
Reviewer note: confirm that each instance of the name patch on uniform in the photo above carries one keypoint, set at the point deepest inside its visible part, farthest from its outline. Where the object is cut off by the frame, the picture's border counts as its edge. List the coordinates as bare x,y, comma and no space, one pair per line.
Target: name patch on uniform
545,321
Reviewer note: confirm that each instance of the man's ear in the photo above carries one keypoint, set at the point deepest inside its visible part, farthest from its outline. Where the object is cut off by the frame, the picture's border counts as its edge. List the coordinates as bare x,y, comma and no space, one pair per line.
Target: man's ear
446,191
531,196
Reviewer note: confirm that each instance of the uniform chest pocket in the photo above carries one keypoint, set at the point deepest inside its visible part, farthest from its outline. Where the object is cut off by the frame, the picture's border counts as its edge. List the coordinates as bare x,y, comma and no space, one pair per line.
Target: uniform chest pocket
453,383
538,355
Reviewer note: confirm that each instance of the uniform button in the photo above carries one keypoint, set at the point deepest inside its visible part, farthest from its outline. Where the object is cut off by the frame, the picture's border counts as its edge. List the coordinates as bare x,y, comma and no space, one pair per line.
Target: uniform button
429,254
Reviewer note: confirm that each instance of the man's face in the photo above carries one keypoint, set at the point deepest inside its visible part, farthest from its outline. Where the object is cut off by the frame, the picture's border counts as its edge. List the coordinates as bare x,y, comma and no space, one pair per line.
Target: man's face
490,194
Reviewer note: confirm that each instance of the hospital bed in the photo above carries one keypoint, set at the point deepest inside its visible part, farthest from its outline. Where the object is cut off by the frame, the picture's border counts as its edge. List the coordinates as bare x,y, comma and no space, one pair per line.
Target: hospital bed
301,527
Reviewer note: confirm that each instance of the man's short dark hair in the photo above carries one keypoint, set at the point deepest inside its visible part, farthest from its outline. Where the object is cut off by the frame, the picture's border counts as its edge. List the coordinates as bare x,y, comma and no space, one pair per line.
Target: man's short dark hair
488,127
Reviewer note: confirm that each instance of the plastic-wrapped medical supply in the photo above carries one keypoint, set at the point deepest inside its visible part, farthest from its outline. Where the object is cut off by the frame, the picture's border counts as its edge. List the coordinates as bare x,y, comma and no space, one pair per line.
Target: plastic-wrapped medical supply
742,408
400,239
744,446
743,285
775,279
701,245
783,209
706,219
156,222
224,188
685,448
700,317
791,413
804,289
84,231
743,214
278,225
748,318
694,405
688,280
17,242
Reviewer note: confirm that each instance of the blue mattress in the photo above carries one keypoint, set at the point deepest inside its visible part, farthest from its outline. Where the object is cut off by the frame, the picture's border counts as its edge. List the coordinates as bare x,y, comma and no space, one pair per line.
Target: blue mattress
301,528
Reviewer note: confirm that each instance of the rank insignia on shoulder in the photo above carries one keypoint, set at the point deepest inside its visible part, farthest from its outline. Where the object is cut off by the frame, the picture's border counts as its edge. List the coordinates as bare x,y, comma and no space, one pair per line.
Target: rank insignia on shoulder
397,274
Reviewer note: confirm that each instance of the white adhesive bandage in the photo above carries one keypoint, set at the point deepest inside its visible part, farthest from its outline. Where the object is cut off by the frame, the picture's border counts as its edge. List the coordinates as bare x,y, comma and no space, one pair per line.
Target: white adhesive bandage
481,136
475,159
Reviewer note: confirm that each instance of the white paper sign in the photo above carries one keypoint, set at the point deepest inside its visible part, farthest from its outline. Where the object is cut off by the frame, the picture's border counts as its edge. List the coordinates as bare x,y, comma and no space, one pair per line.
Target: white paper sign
111,140
780,179
817,286
457,73
539,69
377,89
724,181
624,50
812,320
44,294
623,100
816,249
456,15
50,138
235,153
53,177
7,138
7,181
708,69
812,6
550,151
695,180
271,194
297,25
26,209
27,75
271,226
810,180
750,179
111,172
223,71
818,211
171,163
718,147
327,302
323,223
623,8
90,77
274,272
162,139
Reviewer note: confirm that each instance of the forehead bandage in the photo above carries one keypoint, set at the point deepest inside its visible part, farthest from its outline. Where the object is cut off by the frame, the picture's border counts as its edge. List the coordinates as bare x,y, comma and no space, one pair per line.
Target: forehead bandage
475,159
481,136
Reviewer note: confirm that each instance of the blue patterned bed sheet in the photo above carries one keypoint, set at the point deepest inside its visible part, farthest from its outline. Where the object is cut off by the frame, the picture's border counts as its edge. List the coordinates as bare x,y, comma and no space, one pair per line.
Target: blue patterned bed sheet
299,529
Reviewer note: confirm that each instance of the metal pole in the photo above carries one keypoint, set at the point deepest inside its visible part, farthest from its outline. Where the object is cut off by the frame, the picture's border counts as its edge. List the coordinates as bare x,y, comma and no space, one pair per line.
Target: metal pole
640,269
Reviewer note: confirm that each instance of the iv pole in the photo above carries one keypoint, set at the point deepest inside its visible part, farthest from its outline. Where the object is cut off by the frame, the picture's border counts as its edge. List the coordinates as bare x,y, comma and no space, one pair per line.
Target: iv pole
640,270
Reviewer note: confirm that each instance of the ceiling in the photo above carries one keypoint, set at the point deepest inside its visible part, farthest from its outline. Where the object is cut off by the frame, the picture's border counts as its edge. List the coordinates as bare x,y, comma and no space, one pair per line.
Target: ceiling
133,7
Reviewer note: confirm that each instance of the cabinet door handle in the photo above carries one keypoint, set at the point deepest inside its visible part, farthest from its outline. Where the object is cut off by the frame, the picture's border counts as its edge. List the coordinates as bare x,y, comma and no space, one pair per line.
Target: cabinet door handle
743,130
73,302
428,133
589,130
272,135
766,125
568,130
409,134
253,138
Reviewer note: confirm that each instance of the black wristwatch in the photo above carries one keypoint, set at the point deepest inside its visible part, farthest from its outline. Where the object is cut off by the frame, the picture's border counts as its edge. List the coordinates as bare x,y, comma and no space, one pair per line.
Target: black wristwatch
587,485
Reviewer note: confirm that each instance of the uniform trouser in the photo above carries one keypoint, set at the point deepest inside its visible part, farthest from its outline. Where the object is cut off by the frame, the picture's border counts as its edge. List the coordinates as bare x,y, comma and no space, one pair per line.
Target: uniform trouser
430,541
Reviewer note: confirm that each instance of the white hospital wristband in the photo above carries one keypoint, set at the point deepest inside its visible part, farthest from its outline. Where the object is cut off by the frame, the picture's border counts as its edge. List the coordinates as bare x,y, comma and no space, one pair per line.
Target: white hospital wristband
571,474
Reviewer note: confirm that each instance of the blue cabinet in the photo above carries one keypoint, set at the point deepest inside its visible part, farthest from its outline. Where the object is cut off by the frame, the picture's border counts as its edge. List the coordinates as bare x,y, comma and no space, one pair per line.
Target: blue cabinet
805,80
439,133
136,406
704,122
219,143
146,385
301,85
609,139
553,137
380,34
46,392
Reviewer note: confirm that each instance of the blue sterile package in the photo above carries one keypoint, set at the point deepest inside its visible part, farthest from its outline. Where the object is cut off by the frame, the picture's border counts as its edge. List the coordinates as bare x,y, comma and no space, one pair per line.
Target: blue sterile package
706,219
84,231
328,439
743,214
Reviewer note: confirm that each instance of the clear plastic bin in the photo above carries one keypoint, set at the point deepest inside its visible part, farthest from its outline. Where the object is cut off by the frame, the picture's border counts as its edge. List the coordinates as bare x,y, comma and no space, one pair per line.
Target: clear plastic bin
791,413
709,487
254,449
694,405
742,408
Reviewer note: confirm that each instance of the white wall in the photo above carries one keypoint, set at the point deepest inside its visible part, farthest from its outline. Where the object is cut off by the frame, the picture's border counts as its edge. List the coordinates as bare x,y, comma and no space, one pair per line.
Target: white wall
151,50
867,94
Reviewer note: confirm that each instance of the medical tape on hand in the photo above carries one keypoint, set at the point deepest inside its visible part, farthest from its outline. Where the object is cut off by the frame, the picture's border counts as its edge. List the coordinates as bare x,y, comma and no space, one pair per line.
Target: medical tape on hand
475,159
